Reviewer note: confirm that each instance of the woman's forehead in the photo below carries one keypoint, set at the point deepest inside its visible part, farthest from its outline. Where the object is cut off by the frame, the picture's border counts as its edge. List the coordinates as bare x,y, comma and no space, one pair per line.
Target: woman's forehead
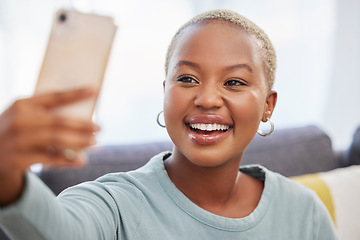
215,29
217,39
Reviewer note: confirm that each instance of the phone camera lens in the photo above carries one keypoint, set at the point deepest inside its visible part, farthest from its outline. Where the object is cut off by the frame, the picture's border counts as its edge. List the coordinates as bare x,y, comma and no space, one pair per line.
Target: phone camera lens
62,17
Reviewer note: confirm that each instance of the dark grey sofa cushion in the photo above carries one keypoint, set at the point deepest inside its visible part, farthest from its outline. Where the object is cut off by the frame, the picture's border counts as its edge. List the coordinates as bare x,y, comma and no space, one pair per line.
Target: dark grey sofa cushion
353,155
287,151
2,235
102,160
293,152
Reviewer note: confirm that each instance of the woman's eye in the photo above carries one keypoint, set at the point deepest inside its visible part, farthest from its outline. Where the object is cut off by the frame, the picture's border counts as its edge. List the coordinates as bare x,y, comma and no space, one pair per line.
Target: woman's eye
187,79
234,82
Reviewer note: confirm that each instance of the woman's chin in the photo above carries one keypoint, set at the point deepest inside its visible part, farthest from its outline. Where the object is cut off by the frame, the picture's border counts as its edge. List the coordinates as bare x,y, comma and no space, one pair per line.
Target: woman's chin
209,156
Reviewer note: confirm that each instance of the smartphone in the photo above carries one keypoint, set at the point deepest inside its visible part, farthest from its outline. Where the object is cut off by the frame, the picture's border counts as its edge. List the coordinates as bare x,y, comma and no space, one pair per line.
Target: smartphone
76,56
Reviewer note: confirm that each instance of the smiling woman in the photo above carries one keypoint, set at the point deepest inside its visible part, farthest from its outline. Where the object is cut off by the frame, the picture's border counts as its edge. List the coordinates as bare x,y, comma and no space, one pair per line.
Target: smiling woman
217,76
218,89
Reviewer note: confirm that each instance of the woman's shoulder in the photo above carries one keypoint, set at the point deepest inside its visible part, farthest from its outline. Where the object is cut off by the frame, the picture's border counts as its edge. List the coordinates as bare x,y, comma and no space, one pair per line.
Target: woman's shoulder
281,186
296,209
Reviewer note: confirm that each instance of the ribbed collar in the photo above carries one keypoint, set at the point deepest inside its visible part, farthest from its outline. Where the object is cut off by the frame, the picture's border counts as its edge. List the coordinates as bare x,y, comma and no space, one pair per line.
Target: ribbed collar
206,217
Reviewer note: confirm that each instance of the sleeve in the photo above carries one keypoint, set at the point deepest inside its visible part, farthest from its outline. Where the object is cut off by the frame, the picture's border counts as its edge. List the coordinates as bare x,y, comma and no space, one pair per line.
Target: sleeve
38,214
324,228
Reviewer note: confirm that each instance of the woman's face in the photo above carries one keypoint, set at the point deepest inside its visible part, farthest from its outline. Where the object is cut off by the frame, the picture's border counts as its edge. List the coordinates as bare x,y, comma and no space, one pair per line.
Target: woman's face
215,93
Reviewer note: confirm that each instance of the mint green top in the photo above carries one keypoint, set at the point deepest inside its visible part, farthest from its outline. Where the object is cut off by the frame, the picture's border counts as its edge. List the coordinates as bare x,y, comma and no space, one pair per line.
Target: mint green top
145,204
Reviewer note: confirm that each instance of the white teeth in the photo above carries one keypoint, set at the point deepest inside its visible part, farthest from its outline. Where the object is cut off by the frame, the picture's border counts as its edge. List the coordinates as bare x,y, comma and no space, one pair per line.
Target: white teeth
209,127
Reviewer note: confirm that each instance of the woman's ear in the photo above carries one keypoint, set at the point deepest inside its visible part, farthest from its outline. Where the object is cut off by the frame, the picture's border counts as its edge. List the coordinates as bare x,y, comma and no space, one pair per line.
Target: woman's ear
271,99
164,85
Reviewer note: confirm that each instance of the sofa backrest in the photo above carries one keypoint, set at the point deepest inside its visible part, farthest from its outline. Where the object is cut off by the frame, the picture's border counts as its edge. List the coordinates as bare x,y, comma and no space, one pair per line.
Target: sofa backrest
293,151
103,160
290,152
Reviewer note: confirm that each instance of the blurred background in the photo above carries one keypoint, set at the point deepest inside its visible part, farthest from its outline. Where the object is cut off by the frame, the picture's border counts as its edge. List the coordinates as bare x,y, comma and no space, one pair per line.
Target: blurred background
317,44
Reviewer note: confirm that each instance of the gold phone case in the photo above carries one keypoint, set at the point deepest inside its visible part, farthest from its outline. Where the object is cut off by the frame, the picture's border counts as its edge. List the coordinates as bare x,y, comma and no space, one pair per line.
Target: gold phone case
76,56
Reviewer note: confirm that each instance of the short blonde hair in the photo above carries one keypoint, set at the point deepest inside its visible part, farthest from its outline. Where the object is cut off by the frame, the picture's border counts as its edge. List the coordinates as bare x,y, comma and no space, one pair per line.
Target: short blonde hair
268,51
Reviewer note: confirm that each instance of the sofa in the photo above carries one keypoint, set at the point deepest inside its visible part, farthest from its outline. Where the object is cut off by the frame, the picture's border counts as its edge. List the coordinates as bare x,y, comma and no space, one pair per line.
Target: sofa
291,152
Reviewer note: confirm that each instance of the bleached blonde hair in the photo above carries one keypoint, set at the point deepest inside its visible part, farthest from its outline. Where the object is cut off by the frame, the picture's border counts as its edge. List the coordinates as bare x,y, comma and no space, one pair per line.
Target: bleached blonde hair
267,49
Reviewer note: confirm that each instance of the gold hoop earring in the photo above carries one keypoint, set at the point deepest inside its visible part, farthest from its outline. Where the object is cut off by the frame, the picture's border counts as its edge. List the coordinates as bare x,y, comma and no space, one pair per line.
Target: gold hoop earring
261,133
158,120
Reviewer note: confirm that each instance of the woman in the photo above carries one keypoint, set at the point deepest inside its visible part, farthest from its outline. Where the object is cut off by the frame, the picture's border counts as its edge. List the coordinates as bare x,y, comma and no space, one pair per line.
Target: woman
220,71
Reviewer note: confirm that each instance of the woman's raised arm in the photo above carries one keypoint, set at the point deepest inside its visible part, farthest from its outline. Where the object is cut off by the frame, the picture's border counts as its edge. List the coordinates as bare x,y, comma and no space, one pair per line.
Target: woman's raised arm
30,133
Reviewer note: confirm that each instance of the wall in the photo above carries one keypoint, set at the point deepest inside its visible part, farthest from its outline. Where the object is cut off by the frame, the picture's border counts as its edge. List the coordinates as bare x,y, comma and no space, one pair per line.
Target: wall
316,43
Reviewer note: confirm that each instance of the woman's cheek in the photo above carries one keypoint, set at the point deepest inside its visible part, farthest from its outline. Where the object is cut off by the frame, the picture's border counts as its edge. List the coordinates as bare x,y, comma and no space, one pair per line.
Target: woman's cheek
248,109
173,104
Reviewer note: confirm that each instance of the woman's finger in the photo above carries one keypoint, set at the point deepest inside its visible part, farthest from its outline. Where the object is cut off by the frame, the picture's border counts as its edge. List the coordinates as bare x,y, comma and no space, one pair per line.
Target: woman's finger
20,162
22,116
55,99
56,138
60,122
24,160
57,122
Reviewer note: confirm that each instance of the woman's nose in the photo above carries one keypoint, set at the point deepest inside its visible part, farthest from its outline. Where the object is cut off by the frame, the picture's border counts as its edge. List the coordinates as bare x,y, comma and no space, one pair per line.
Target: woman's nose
209,97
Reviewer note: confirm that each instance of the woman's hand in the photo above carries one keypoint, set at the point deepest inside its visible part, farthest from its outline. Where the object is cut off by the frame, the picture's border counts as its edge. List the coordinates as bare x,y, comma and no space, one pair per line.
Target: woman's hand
30,133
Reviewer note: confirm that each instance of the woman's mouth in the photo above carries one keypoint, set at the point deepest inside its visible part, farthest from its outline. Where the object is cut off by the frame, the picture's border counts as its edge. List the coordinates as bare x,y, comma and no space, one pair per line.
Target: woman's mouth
207,130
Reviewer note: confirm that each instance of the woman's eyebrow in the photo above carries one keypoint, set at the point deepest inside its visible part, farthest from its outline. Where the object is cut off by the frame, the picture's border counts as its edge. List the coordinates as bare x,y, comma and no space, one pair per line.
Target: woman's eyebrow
239,66
187,63
195,65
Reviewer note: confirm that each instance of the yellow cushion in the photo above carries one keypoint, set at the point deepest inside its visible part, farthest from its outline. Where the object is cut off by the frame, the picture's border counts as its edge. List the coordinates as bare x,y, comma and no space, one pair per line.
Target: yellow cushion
339,189
317,184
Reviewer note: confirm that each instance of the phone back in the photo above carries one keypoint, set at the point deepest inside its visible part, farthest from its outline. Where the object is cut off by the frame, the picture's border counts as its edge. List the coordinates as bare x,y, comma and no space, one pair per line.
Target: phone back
76,56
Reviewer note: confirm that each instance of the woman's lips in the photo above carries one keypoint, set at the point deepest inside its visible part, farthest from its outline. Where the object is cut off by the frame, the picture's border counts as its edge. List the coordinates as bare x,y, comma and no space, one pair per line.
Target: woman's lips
207,119
207,129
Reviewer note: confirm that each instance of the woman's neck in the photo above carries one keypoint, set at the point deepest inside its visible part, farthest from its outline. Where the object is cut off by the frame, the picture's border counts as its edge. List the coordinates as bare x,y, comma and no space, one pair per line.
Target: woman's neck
222,190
